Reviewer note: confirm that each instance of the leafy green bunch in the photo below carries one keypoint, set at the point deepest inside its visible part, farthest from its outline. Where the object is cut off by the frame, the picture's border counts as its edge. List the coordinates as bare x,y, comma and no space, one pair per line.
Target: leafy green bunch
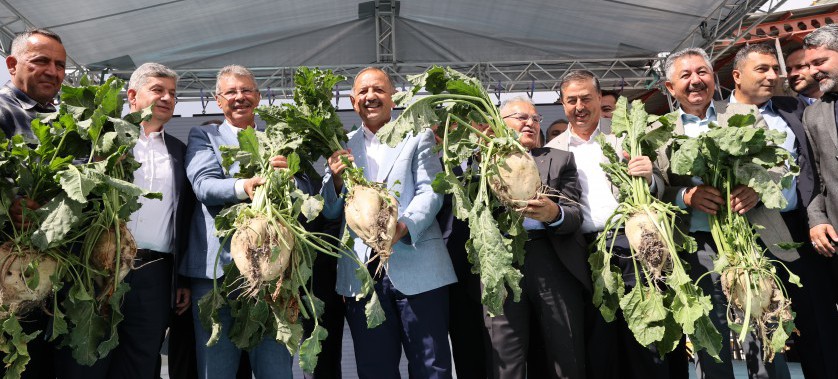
740,153
79,168
303,132
664,304
460,107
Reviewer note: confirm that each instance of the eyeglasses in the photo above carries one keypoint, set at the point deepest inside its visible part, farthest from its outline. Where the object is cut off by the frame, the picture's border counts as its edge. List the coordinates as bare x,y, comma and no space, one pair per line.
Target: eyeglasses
523,117
231,93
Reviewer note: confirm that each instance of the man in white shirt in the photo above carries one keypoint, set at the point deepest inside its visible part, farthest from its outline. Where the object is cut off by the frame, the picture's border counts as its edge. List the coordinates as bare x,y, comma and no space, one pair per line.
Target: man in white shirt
159,229
609,343
413,286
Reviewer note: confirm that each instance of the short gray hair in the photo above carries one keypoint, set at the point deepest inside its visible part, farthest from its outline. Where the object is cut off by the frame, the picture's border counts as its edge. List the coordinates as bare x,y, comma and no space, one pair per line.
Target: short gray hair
579,76
514,100
150,70
826,36
669,65
19,43
233,70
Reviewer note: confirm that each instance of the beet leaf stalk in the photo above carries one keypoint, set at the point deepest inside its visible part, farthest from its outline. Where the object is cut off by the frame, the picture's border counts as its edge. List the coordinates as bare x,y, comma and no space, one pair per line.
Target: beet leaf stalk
664,303
269,285
314,119
740,153
501,178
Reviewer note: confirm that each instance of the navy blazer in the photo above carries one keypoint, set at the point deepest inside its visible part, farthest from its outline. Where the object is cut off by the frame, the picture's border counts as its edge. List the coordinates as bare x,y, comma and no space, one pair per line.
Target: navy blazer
184,205
214,189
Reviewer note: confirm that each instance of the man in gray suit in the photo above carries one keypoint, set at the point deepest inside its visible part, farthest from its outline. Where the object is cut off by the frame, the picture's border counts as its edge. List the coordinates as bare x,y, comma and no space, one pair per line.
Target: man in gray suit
237,95
822,53
690,80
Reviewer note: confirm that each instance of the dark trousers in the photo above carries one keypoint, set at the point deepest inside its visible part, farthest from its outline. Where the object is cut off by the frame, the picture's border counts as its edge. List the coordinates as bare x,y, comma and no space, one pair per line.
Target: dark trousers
418,323
146,308
41,352
470,343
552,296
182,361
814,304
701,262
323,282
612,350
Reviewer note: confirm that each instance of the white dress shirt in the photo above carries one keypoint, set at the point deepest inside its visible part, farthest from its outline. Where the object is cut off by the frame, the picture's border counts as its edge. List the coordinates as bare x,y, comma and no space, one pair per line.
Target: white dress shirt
375,150
595,184
152,225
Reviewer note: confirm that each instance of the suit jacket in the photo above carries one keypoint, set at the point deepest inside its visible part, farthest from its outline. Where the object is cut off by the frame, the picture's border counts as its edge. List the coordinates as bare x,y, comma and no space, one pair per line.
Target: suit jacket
557,169
419,262
819,119
214,189
184,205
775,230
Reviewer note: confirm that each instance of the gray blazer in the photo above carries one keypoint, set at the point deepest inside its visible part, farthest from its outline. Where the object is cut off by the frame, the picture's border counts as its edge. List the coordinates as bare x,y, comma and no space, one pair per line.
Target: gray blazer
819,119
775,230
420,261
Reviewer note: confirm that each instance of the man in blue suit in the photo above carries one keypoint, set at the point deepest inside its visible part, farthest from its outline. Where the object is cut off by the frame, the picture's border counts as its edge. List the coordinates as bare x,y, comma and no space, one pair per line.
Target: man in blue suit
237,96
412,286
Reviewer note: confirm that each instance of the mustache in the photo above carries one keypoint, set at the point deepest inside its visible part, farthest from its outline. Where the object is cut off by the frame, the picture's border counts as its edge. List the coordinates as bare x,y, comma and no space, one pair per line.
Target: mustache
372,102
820,75
700,86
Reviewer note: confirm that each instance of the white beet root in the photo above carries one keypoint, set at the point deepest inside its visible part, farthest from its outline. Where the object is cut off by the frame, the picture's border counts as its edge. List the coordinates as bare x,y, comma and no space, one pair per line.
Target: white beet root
517,181
14,261
372,217
103,256
734,287
648,243
252,249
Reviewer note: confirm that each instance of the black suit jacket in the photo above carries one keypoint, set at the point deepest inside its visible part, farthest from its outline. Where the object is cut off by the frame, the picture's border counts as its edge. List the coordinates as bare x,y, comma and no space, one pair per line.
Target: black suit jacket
791,110
557,169
184,206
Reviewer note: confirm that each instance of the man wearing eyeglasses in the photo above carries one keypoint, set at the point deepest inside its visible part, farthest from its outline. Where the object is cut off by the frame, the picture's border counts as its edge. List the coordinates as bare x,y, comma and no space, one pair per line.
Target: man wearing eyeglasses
237,96
542,335
608,343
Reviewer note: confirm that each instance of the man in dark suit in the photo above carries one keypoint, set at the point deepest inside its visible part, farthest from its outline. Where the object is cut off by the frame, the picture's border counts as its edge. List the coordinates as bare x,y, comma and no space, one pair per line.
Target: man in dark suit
756,73
160,230
556,280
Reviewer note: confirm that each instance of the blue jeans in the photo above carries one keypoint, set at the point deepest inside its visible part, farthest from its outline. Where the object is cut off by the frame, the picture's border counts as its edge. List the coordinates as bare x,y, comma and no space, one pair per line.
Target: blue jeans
269,359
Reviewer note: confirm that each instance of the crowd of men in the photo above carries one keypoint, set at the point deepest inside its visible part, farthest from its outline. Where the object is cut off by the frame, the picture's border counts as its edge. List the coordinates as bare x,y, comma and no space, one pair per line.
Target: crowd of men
428,290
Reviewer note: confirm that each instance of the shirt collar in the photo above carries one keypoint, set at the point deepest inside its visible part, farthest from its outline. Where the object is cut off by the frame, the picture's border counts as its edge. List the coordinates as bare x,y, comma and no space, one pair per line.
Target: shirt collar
27,102
575,140
767,107
154,136
710,114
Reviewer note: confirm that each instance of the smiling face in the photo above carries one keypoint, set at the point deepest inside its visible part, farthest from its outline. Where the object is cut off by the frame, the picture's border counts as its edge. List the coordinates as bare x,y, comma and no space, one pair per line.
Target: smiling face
529,130
800,77
757,78
38,69
692,84
238,97
609,102
582,105
161,92
823,64
372,98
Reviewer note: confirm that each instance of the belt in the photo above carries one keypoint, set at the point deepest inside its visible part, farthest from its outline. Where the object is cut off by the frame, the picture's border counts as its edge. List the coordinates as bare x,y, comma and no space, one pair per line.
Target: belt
146,255
593,236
